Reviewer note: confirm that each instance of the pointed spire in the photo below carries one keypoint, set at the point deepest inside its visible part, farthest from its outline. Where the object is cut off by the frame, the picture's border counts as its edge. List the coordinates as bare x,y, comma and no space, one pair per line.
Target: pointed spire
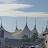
46,30
1,22
26,23
26,20
26,26
35,23
47,25
16,26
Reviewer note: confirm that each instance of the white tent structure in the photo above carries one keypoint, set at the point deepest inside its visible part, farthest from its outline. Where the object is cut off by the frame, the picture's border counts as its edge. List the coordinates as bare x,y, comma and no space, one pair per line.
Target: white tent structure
25,31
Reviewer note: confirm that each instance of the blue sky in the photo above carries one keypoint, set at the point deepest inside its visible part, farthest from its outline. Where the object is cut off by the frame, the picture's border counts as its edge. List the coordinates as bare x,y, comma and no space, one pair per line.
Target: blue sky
12,10
39,5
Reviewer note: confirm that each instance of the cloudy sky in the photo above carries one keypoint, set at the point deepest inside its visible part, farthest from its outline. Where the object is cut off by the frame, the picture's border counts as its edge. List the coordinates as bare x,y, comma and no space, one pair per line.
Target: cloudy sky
12,10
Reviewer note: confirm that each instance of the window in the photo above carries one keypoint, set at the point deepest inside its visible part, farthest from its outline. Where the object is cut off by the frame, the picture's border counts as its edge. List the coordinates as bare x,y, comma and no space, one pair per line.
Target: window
32,47
46,41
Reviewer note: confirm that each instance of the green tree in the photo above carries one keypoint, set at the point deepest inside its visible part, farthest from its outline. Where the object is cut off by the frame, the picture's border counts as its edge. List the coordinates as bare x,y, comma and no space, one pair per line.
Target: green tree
34,37
41,40
25,38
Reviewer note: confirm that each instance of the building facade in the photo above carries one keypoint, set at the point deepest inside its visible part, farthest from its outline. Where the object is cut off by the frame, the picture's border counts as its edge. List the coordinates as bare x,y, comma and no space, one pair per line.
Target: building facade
2,39
45,34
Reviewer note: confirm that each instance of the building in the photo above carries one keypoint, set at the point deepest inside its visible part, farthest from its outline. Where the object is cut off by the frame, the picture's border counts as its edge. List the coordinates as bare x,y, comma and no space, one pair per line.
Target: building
20,33
35,29
2,39
46,37
45,34
9,39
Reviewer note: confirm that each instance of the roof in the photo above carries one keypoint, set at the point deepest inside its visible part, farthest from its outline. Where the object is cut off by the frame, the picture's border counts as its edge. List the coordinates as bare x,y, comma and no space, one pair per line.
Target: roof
20,34
6,33
46,30
26,31
17,35
34,30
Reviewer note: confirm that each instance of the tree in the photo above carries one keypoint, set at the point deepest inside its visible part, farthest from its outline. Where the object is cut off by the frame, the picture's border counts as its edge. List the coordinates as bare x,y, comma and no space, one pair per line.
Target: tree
25,38
34,37
41,40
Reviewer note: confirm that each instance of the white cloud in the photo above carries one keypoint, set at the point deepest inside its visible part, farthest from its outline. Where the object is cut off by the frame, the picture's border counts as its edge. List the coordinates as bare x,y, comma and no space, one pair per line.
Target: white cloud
9,1
20,13
7,10
6,1
8,7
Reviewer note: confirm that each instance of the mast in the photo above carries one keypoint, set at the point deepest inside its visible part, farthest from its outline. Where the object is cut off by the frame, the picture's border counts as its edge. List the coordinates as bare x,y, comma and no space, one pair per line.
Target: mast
26,20
35,24
16,26
1,22
47,25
